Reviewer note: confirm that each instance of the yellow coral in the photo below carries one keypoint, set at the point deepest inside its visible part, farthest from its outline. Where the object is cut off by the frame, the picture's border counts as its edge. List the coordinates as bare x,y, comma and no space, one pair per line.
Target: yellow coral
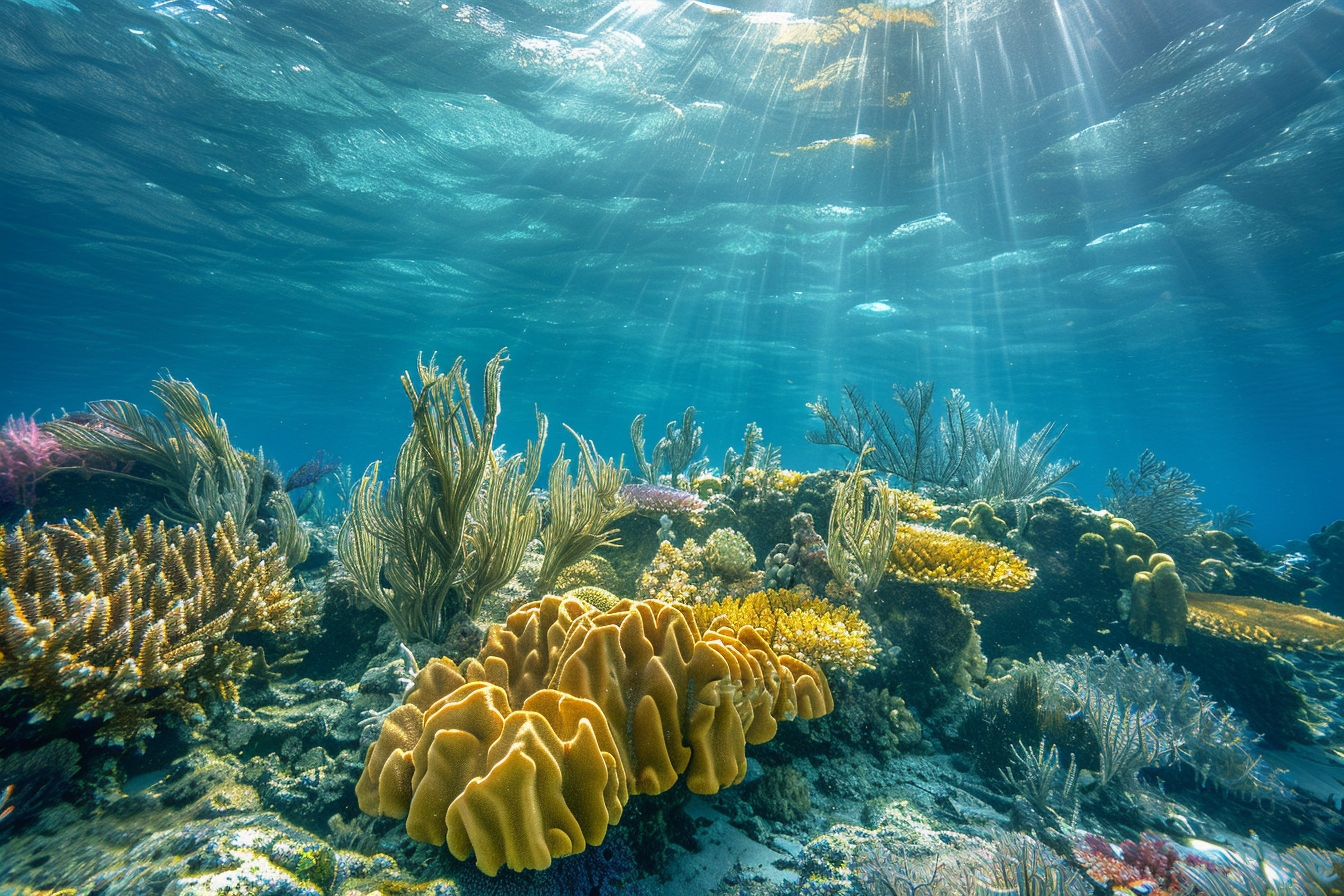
815,630
729,554
914,506
530,750
591,594
1259,621
677,575
935,557
129,625
786,481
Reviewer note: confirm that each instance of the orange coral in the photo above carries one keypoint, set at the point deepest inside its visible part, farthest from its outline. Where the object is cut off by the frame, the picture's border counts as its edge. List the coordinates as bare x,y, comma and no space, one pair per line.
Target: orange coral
531,750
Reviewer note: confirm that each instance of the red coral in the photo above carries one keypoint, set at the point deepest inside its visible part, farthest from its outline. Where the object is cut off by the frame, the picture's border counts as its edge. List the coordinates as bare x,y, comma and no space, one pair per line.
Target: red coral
1154,866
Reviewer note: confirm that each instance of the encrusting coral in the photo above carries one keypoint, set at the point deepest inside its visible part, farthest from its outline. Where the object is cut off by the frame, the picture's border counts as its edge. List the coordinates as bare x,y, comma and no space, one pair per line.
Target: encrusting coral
530,751
1258,621
813,629
935,557
130,624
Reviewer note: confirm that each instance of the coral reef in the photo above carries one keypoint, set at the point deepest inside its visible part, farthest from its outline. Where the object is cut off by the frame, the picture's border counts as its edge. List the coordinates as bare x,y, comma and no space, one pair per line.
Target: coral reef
803,561
1153,866
607,705
814,630
591,594
934,557
1328,546
126,625
1160,500
676,450
593,570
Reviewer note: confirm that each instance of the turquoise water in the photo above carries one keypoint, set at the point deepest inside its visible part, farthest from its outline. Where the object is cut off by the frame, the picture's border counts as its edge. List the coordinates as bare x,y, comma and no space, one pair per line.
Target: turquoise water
1120,216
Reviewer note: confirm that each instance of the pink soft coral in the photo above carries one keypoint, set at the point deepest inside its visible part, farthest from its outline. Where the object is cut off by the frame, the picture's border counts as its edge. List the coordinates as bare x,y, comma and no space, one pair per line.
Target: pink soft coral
26,453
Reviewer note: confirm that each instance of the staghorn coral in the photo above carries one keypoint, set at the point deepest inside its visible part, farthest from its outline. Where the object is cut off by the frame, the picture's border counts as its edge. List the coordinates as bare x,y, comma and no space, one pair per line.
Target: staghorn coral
128,625
813,629
932,556
1257,621
729,554
531,750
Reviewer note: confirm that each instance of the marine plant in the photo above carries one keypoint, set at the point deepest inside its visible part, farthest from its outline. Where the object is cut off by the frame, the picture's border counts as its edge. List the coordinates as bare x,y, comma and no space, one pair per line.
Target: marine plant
818,632
1159,500
1144,713
1013,863
580,510
187,452
453,522
859,540
121,626
676,451
1300,871
530,750
927,450
959,455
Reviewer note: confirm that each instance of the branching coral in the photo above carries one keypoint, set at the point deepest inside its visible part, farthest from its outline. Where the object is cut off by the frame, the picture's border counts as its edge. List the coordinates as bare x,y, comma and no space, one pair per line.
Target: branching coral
816,631
128,625
531,750
676,450
677,575
962,455
932,556
1258,621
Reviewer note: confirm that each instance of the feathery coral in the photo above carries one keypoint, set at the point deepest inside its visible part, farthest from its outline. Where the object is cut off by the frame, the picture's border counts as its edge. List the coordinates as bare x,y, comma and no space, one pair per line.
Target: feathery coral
531,750
1259,621
128,625
815,630
935,557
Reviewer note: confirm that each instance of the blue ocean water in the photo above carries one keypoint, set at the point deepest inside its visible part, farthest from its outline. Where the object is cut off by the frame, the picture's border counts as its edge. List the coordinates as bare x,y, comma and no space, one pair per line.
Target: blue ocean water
1120,215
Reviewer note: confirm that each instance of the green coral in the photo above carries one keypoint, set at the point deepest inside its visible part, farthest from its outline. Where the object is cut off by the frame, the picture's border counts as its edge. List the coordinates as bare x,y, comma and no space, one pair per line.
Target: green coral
594,596
729,554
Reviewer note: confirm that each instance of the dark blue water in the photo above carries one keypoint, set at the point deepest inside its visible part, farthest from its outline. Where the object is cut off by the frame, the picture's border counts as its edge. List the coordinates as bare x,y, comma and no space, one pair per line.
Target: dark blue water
654,205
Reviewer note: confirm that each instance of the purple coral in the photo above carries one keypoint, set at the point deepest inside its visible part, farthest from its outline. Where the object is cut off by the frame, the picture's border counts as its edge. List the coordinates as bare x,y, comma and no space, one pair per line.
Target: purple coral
311,471
26,454
655,500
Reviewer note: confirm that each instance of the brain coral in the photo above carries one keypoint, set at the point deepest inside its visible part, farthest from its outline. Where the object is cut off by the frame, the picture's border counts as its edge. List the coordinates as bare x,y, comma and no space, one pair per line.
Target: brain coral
529,751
